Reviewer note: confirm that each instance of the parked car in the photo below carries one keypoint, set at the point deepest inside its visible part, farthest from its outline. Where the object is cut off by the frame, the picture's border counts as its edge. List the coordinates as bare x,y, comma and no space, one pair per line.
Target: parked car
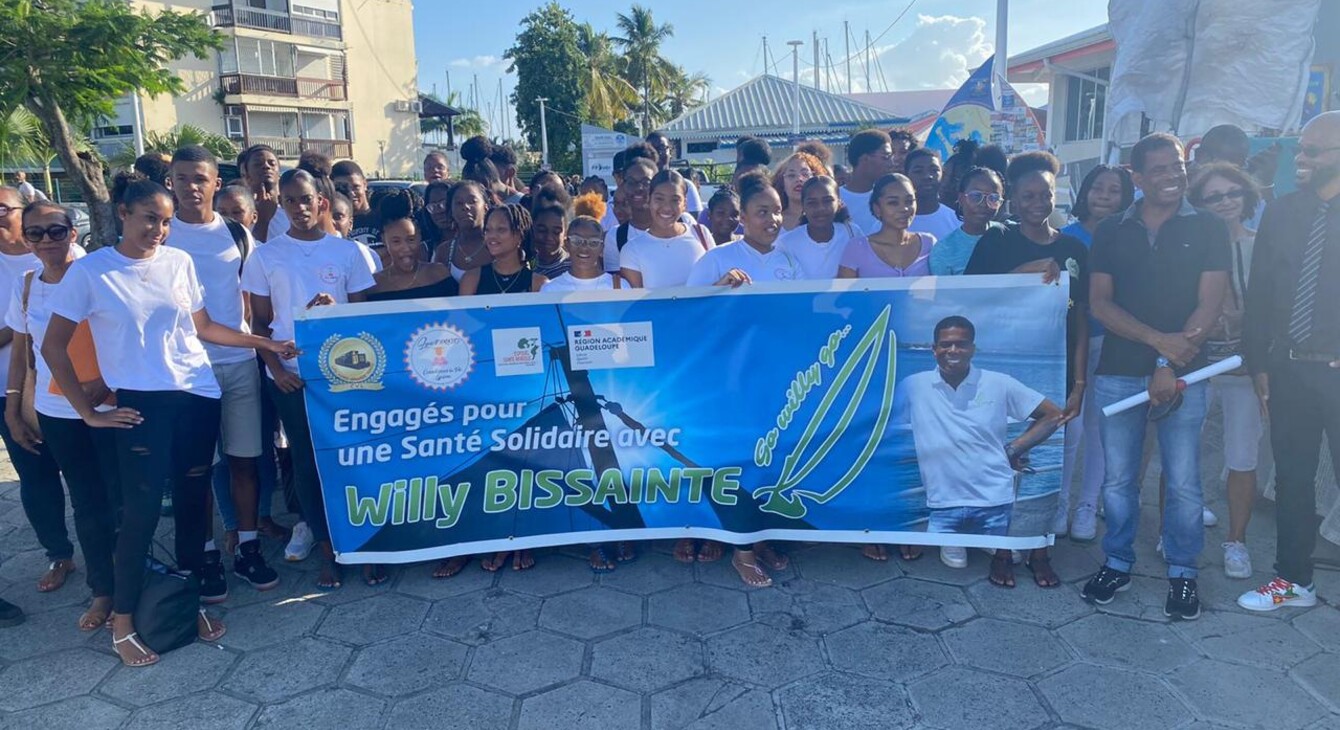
82,222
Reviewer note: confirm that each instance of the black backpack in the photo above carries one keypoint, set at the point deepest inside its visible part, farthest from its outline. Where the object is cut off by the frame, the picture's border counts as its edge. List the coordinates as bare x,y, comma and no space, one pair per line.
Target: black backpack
621,235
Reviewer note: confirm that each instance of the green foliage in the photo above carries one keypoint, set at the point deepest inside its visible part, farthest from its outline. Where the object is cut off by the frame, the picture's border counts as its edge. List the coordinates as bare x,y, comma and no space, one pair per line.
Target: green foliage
548,63
176,138
608,95
467,124
23,142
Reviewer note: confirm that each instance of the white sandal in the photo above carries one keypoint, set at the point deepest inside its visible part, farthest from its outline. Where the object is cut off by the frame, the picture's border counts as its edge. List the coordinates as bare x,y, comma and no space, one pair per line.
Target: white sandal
149,656
209,628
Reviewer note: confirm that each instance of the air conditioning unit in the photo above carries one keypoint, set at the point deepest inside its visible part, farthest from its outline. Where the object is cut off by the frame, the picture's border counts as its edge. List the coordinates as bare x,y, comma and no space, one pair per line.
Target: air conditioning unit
409,106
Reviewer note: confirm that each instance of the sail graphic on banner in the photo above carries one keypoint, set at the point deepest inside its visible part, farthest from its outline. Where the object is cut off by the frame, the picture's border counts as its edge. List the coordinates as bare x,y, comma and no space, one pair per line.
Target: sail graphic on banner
972,114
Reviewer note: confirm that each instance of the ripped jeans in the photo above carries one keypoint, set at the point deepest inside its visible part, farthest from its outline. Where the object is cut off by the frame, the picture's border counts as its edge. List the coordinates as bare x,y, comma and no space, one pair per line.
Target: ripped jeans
174,445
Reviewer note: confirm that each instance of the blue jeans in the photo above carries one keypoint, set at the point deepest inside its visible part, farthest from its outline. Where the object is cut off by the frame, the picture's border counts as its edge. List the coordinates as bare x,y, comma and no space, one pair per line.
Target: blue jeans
267,468
1179,446
971,520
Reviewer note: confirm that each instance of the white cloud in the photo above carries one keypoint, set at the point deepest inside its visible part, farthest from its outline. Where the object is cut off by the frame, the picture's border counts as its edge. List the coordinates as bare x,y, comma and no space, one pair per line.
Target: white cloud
477,62
939,54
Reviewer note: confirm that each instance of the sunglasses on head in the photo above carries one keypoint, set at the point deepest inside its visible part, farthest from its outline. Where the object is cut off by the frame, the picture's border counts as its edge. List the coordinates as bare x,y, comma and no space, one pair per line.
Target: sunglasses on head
577,241
1235,194
55,232
977,196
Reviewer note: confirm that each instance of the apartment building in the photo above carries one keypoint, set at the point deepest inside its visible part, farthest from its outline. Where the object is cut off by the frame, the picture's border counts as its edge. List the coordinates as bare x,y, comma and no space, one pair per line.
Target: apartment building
335,76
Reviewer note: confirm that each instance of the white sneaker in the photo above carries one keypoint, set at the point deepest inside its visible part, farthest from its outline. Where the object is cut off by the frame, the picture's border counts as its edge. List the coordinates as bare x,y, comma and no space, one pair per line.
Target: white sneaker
954,557
1237,561
299,544
1060,524
1085,525
1278,593
1208,518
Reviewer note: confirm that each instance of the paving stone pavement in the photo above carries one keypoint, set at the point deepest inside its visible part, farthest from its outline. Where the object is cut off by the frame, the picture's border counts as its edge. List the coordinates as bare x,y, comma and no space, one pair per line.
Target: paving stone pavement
839,642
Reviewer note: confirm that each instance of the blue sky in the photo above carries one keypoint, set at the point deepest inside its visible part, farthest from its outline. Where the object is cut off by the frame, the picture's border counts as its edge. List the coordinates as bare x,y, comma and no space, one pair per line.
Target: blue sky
932,45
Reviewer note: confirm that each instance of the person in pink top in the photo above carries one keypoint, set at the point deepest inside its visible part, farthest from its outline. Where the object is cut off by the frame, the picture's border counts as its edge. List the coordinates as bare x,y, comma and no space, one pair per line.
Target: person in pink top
890,251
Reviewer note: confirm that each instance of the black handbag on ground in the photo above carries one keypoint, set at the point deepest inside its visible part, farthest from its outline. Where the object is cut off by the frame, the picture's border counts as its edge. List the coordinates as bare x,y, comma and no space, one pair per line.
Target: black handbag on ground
169,605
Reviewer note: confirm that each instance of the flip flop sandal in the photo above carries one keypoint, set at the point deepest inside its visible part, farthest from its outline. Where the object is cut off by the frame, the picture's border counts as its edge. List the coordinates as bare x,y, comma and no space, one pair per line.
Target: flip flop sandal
910,553
602,552
61,570
997,561
742,568
210,635
1037,580
625,552
685,549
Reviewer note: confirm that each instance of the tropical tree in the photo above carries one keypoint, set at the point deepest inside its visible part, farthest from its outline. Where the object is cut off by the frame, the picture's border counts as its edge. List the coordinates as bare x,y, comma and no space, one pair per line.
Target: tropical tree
465,125
640,39
683,92
609,97
68,61
22,141
174,139
548,64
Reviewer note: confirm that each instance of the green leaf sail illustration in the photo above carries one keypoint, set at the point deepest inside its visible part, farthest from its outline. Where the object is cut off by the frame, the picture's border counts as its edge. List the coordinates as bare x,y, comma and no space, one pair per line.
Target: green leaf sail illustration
785,498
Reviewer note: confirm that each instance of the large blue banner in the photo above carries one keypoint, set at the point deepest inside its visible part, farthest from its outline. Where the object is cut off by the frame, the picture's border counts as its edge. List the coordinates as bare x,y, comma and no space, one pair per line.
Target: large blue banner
775,411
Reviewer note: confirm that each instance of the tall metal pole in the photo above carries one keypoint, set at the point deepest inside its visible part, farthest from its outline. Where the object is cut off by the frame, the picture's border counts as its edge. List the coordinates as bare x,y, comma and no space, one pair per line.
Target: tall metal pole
846,45
795,85
815,38
1001,61
868,88
544,136
766,67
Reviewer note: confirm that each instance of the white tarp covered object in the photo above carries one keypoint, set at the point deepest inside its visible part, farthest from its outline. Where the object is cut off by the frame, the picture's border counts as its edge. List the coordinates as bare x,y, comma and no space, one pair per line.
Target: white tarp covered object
1248,64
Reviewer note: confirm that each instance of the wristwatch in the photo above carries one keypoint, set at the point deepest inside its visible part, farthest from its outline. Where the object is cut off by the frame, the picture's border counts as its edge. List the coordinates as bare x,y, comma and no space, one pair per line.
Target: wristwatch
1162,362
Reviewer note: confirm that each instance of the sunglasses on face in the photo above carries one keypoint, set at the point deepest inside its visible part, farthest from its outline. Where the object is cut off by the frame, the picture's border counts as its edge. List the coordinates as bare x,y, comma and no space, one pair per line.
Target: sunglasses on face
1217,198
578,241
55,232
977,196
1315,151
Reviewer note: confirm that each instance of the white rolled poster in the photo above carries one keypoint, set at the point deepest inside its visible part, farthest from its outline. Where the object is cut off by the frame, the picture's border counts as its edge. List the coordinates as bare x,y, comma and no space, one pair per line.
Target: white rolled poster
1226,365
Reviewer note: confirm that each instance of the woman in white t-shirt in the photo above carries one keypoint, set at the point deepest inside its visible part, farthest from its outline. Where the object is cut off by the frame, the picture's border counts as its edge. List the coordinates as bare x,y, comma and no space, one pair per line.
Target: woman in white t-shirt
825,231
585,244
303,268
146,314
665,253
86,456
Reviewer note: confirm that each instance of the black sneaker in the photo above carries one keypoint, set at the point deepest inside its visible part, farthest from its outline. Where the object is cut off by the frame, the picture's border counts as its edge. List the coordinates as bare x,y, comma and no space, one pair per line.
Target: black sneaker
1105,585
249,565
213,583
1183,602
10,615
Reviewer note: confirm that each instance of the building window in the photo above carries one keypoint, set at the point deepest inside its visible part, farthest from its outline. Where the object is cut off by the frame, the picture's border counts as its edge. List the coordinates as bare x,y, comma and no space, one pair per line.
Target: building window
122,130
1084,103
262,57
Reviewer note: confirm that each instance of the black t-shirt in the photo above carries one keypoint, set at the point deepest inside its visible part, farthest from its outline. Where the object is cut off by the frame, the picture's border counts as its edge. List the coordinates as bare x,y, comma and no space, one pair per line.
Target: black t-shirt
1158,283
1003,249
367,230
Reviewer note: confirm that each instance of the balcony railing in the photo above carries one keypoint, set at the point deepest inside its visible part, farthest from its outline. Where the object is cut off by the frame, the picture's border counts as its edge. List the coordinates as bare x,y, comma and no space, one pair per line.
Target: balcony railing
293,147
274,21
298,88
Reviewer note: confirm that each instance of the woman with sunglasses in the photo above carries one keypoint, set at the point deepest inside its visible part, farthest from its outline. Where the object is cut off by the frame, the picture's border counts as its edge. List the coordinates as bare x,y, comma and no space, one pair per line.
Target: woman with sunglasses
980,195
86,456
585,244
1230,193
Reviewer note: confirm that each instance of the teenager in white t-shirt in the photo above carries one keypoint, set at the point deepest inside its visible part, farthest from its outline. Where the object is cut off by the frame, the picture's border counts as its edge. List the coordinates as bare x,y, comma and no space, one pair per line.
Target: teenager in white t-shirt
147,316
304,268
664,255
86,456
260,172
217,249
634,192
585,245
870,153
933,217
824,232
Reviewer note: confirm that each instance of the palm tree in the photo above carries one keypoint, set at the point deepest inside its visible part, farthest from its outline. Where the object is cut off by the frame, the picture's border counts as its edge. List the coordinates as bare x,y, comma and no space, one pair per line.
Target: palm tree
22,140
609,97
684,92
465,125
174,139
640,40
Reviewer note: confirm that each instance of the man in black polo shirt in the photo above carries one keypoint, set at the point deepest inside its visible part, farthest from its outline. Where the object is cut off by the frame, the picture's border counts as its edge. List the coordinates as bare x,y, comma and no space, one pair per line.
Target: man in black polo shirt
1292,343
1160,273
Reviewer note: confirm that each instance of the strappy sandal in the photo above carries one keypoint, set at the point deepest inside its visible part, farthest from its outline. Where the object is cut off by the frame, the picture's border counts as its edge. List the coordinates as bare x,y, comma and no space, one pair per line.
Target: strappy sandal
54,579
760,578
600,560
92,620
212,634
625,552
148,656
684,549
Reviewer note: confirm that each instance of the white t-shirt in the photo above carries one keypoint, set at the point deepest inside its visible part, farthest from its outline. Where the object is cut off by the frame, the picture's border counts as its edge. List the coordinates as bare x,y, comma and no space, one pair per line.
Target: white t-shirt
960,434
374,261
34,324
218,265
612,252
292,272
12,267
940,224
610,221
858,205
139,311
665,261
566,282
778,264
279,225
693,202
819,260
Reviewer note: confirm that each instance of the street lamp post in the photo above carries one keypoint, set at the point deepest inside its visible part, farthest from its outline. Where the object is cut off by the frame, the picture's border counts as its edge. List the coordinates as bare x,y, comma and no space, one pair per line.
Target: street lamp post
544,136
795,85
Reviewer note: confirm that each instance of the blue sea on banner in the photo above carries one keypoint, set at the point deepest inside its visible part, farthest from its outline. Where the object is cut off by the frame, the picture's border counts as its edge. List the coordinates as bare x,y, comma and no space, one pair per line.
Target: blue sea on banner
703,379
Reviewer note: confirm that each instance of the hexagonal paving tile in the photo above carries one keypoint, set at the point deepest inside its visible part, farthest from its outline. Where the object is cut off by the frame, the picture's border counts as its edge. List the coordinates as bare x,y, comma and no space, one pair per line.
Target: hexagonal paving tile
1322,625
809,606
264,624
929,567
1248,639
994,701
418,581
1049,607
484,616
1321,674
77,713
527,662
45,632
208,711
1128,644
1143,600
1070,564
1005,646
553,574
763,655
698,609
919,604
712,704
843,565
591,612
884,652
835,700
647,659
406,664
1105,698
722,573
52,677
580,705
373,619
326,707
1234,694
285,670
192,668
453,707
650,573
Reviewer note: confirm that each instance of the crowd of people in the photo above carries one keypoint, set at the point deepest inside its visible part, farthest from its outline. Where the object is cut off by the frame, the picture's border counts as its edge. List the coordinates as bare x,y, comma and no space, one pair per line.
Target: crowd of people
167,357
